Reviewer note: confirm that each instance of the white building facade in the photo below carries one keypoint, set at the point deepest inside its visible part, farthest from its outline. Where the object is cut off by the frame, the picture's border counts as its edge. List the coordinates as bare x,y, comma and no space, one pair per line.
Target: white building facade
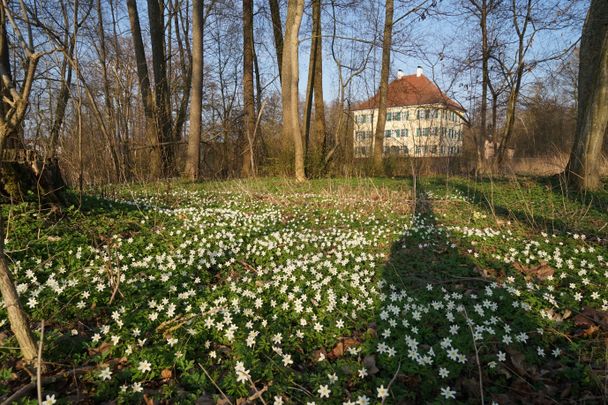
416,130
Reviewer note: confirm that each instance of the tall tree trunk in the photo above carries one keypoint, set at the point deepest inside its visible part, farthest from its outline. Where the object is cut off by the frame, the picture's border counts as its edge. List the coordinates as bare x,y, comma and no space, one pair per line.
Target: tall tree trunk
248,97
314,89
485,78
382,99
289,85
7,74
312,60
196,98
519,72
16,315
145,89
592,118
164,120
510,118
258,82
262,152
114,135
182,28
495,95
320,129
11,117
277,30
62,103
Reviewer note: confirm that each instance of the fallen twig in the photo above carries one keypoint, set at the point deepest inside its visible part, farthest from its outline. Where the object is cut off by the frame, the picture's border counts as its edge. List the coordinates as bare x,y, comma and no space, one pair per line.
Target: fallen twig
39,363
213,382
392,380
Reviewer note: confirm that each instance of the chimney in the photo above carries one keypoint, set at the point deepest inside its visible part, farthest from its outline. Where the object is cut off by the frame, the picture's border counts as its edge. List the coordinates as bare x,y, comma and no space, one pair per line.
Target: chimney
400,74
419,71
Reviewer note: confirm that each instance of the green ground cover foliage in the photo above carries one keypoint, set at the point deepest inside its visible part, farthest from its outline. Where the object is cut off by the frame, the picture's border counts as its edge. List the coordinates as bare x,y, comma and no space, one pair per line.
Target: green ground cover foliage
353,291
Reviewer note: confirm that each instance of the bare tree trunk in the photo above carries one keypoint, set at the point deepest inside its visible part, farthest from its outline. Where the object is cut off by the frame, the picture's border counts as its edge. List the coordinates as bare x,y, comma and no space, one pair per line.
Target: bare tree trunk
289,85
592,118
382,99
495,95
182,29
62,100
320,127
161,83
145,89
510,119
114,135
262,151
196,98
248,97
277,30
11,118
312,60
314,89
258,82
485,78
16,315
121,116
519,72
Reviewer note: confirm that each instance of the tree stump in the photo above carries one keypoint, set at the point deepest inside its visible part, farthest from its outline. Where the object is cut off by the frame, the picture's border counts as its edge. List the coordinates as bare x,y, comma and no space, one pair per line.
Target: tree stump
32,180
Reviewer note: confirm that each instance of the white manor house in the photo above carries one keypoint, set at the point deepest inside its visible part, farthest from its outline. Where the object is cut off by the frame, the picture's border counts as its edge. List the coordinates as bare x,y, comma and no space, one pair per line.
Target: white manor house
420,121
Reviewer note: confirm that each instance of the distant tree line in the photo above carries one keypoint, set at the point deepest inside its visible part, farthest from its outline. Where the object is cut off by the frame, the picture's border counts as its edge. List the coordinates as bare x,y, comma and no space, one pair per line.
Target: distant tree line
138,90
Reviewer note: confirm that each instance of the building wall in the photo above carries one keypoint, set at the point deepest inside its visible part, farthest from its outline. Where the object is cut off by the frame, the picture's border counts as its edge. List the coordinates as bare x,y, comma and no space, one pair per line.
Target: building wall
420,131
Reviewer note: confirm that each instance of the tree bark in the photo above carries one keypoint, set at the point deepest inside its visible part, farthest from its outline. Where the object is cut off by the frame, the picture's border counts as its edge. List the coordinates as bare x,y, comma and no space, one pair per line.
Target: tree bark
196,97
485,78
314,91
161,84
383,93
510,118
114,137
248,96
320,128
312,60
11,118
62,99
145,90
16,315
277,30
592,117
289,85
182,29
519,72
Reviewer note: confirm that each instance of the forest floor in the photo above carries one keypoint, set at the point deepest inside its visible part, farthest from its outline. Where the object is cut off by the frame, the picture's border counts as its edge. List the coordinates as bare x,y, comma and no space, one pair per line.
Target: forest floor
353,291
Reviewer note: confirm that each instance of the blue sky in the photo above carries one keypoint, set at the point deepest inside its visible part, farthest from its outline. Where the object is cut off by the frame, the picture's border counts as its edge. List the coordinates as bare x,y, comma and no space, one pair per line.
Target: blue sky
416,42
422,42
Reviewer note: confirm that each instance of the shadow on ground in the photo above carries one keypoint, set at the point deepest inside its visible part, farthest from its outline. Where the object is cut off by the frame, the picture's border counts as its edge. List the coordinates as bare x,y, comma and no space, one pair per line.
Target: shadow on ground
542,204
435,302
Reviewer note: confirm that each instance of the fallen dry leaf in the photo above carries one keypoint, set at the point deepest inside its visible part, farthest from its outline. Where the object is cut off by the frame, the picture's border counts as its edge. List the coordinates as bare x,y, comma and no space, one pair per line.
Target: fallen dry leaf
340,349
592,317
166,374
104,347
542,272
319,354
587,331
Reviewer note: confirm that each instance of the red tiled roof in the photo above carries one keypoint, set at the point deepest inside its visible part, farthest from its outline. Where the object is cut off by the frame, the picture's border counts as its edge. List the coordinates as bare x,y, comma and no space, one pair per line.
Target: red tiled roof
411,90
